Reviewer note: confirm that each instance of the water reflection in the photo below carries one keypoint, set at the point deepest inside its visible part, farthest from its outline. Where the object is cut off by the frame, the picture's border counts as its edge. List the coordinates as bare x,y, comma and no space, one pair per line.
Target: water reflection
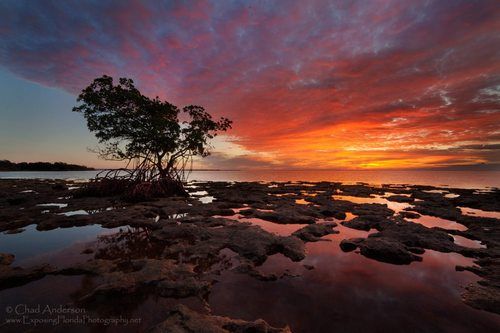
462,241
346,292
31,246
478,212
132,243
375,199
432,221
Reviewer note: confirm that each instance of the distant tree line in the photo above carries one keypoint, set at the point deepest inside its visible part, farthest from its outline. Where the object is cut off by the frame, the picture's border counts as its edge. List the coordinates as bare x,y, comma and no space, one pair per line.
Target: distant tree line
6,165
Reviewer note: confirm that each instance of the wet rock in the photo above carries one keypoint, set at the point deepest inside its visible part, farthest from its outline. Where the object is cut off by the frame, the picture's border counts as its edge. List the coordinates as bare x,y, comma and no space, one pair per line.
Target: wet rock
489,201
351,244
14,231
59,187
6,258
182,319
398,241
332,212
210,209
387,250
373,209
417,235
281,215
16,200
400,198
409,215
16,276
437,209
185,284
367,222
208,236
249,269
314,232
483,297
362,190
90,267
167,278
485,294
198,239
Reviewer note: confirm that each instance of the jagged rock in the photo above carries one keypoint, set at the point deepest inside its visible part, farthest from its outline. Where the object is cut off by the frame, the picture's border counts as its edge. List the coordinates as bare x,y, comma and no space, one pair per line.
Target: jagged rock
400,198
16,276
181,319
485,294
367,222
374,209
121,278
6,258
483,297
198,239
489,201
314,232
409,215
207,239
14,231
406,238
280,215
351,244
387,250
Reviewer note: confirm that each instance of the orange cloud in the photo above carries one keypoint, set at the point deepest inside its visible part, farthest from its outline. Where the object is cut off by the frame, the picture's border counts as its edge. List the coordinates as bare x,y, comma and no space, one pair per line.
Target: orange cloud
309,84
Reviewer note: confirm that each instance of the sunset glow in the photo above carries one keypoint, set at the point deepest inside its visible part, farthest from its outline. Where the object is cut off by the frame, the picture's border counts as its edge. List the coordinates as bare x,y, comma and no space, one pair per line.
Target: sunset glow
308,84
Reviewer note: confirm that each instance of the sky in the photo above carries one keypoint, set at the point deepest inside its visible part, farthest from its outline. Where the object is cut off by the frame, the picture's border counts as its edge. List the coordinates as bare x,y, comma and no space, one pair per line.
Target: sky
393,84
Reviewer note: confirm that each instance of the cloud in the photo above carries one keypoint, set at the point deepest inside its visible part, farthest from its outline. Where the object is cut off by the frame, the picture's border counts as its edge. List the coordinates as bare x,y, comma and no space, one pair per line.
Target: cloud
298,78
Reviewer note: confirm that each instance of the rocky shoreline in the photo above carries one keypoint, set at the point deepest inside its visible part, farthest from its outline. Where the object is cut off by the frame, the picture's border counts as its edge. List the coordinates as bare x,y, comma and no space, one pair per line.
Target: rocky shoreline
188,237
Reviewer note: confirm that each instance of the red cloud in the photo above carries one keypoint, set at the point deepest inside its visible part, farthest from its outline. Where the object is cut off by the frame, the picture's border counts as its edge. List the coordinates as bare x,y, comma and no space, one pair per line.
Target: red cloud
311,84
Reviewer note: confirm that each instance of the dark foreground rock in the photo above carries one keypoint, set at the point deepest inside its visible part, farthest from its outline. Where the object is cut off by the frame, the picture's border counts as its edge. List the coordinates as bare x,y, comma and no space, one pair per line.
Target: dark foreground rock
398,241
177,247
16,276
6,258
382,249
182,319
314,232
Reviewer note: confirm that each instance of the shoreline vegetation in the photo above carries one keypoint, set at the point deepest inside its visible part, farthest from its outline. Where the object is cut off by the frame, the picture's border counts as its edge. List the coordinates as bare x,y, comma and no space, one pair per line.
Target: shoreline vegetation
6,165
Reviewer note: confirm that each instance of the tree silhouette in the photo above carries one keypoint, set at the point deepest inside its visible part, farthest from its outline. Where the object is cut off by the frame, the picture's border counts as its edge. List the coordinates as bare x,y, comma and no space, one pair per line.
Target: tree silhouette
145,132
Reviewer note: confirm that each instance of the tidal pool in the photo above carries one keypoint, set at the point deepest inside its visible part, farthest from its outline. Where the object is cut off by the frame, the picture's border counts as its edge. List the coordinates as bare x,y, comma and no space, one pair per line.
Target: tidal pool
328,291
333,291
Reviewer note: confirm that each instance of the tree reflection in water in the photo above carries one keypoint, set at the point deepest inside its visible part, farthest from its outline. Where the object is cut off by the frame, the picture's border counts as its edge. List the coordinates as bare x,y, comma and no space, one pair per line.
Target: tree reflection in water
128,244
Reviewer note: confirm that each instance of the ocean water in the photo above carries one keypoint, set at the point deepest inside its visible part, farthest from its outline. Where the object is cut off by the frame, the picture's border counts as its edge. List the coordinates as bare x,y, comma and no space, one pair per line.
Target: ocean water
462,179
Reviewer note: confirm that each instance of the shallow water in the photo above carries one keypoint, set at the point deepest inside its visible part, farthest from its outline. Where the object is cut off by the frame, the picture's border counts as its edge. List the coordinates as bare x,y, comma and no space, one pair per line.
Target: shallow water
479,212
342,292
463,179
432,221
395,206
346,292
31,245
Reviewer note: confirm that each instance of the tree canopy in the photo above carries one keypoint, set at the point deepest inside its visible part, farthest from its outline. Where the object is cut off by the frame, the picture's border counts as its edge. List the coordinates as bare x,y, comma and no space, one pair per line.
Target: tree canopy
147,132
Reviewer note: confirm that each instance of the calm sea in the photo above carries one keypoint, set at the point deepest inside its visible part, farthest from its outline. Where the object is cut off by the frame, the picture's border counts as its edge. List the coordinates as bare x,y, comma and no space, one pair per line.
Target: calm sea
463,179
